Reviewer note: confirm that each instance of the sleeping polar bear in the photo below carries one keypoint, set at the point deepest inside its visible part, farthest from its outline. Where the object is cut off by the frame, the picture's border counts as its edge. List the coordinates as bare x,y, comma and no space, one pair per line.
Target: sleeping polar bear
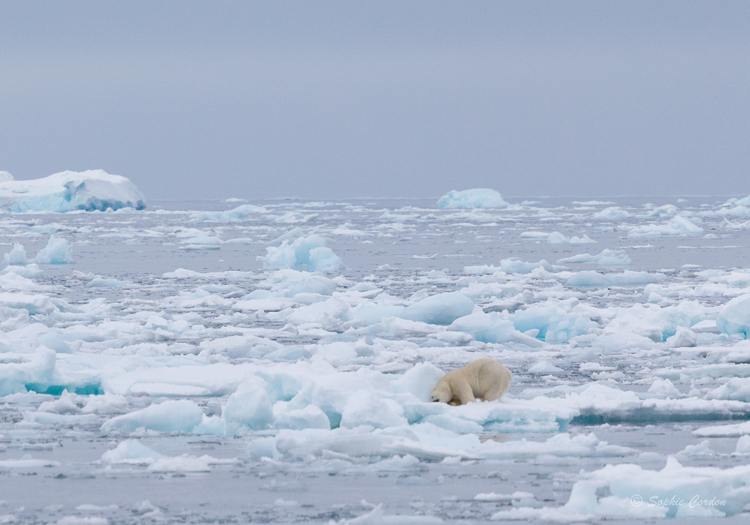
484,378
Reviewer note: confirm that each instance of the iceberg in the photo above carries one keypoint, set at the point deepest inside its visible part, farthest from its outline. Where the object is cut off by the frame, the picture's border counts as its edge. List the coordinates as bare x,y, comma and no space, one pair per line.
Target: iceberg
474,198
89,190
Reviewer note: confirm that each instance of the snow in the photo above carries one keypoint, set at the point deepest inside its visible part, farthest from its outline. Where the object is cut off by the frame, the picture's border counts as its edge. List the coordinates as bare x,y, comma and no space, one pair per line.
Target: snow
69,190
474,198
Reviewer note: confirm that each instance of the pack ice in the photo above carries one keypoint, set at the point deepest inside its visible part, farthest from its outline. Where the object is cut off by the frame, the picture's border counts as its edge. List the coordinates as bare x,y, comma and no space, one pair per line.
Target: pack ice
306,350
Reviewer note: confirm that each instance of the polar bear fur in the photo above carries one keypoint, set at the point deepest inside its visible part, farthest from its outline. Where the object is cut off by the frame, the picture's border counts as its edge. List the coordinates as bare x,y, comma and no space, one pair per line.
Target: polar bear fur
481,379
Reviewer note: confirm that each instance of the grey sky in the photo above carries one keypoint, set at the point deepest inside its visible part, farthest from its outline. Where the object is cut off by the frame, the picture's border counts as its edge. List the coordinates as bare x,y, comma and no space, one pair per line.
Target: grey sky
343,99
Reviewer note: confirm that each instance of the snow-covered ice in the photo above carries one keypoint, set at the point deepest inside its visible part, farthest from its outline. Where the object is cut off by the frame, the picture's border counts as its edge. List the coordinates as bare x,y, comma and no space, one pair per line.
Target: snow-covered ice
156,363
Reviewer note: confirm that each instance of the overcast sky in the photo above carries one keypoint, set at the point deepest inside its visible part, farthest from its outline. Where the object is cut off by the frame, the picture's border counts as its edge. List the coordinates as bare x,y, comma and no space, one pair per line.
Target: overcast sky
322,99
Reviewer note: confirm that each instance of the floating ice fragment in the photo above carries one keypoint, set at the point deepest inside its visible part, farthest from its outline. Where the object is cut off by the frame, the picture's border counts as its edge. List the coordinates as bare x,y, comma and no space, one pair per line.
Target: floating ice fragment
559,238
131,451
676,226
38,370
28,462
309,417
237,214
532,234
441,309
664,389
743,445
474,198
593,279
418,381
607,258
169,416
735,316
545,367
249,407
368,408
684,337
17,256
512,265
57,251
611,214
82,520
304,253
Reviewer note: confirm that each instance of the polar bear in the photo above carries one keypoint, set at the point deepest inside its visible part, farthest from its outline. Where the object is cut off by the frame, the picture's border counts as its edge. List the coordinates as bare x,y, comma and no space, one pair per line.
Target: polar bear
484,378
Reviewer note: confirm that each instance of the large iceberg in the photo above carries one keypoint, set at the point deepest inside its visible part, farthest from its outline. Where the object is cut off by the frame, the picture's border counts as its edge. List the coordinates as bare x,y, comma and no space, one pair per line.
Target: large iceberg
70,190
475,198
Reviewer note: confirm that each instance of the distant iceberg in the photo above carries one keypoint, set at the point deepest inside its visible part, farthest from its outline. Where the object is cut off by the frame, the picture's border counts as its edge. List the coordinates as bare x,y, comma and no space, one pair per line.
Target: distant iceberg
68,191
475,198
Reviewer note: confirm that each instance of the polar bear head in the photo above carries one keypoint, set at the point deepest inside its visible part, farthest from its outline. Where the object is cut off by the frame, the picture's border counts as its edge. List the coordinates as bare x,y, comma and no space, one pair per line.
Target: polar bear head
442,393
